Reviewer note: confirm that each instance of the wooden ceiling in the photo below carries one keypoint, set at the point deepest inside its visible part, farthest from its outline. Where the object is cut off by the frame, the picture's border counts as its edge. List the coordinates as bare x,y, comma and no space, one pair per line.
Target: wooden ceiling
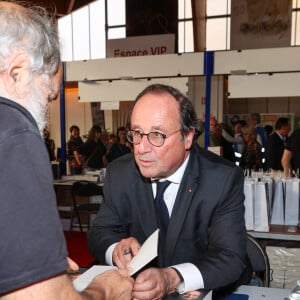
60,7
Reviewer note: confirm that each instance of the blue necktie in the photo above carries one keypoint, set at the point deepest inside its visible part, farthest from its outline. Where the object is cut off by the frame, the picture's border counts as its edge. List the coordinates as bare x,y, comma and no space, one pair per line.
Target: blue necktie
162,210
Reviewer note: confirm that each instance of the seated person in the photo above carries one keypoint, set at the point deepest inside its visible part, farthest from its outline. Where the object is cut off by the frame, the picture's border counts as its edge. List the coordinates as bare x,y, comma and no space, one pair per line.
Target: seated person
202,241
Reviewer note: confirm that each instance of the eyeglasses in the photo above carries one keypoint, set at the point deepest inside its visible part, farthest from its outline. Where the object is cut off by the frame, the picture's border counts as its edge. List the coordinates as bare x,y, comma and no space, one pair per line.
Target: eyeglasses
155,138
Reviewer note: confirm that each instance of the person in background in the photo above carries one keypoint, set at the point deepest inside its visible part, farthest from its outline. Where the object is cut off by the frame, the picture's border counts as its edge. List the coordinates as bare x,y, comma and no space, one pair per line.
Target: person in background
226,144
216,139
237,140
93,150
104,138
50,145
112,138
251,157
276,143
120,147
33,252
268,130
202,227
240,144
214,134
75,141
291,155
255,120
234,119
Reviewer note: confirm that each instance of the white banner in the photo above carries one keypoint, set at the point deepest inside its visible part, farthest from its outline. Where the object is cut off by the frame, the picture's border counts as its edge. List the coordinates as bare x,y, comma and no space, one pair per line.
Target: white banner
141,45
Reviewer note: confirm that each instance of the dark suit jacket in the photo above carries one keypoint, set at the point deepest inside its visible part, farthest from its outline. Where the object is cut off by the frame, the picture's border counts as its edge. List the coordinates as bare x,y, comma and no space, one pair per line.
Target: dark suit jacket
206,227
274,151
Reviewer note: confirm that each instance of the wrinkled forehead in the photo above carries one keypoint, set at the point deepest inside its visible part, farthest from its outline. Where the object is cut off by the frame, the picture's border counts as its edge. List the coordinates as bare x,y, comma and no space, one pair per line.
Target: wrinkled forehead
156,102
156,109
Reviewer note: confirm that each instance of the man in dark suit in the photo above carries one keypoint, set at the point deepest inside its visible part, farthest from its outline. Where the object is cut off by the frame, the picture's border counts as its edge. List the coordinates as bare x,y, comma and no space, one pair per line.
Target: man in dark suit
276,143
204,245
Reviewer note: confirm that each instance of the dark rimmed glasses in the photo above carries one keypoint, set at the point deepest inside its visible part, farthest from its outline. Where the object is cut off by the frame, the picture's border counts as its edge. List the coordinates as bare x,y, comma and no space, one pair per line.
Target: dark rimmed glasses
155,138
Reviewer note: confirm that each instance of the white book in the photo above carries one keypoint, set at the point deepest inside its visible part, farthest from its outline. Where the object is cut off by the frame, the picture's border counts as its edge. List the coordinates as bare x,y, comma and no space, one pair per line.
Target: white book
147,252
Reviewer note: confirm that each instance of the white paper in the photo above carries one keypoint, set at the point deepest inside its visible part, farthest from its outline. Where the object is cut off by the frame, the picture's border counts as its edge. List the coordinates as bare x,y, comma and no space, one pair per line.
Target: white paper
82,281
147,252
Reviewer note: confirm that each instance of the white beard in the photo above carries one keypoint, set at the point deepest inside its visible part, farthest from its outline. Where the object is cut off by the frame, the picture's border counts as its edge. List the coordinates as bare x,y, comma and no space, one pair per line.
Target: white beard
37,105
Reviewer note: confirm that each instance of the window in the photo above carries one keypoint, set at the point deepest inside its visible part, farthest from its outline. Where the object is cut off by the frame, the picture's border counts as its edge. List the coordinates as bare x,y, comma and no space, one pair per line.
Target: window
218,24
97,29
84,33
185,27
81,33
116,19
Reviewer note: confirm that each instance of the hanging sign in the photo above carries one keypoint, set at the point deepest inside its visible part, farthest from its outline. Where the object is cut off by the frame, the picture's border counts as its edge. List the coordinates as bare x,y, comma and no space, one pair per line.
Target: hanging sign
141,45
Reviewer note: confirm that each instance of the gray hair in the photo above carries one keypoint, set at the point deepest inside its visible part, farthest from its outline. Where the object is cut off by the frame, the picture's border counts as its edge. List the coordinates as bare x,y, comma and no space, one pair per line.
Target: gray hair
248,129
31,30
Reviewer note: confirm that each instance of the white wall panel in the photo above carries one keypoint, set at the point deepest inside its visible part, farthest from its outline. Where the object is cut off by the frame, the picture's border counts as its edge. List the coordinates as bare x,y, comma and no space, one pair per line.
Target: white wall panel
167,65
258,60
276,85
191,64
125,90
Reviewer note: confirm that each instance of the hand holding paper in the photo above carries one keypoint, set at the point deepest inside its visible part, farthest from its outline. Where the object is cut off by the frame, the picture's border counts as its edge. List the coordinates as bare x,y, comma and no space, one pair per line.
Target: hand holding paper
147,252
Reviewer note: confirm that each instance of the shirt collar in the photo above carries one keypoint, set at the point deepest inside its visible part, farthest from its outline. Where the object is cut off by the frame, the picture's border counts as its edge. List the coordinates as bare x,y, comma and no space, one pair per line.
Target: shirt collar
178,174
281,136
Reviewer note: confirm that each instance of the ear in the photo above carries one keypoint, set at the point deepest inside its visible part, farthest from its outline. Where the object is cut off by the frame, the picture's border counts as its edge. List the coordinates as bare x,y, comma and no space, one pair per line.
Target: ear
188,140
17,75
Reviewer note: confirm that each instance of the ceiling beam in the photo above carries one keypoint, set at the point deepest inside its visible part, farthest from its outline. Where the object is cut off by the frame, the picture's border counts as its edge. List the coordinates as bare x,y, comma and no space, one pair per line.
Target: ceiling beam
70,7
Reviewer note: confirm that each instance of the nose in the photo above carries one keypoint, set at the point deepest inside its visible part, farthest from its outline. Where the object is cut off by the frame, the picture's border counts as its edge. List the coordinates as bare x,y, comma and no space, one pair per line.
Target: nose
144,145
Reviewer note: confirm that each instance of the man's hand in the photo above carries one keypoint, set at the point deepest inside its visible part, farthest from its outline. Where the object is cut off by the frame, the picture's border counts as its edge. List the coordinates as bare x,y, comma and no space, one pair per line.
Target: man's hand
124,251
155,283
110,285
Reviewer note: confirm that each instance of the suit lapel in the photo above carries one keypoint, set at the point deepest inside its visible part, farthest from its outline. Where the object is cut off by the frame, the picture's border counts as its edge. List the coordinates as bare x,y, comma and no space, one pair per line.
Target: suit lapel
181,206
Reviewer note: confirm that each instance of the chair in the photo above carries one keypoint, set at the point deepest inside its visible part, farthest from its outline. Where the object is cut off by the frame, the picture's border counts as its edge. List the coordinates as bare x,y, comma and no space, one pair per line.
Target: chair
82,190
259,262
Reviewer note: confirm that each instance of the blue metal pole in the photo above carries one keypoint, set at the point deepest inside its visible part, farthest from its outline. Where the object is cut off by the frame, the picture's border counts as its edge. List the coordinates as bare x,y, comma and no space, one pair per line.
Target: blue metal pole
208,71
63,155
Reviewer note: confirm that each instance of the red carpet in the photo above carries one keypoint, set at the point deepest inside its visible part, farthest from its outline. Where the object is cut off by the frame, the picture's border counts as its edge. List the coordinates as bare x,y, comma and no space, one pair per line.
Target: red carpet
77,248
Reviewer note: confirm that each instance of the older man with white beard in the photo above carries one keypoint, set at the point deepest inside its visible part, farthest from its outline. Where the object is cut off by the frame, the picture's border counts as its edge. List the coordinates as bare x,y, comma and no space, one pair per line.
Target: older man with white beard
33,251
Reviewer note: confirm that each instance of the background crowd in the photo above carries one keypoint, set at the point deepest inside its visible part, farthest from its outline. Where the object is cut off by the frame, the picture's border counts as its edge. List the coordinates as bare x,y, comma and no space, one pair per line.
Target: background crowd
254,147
244,142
